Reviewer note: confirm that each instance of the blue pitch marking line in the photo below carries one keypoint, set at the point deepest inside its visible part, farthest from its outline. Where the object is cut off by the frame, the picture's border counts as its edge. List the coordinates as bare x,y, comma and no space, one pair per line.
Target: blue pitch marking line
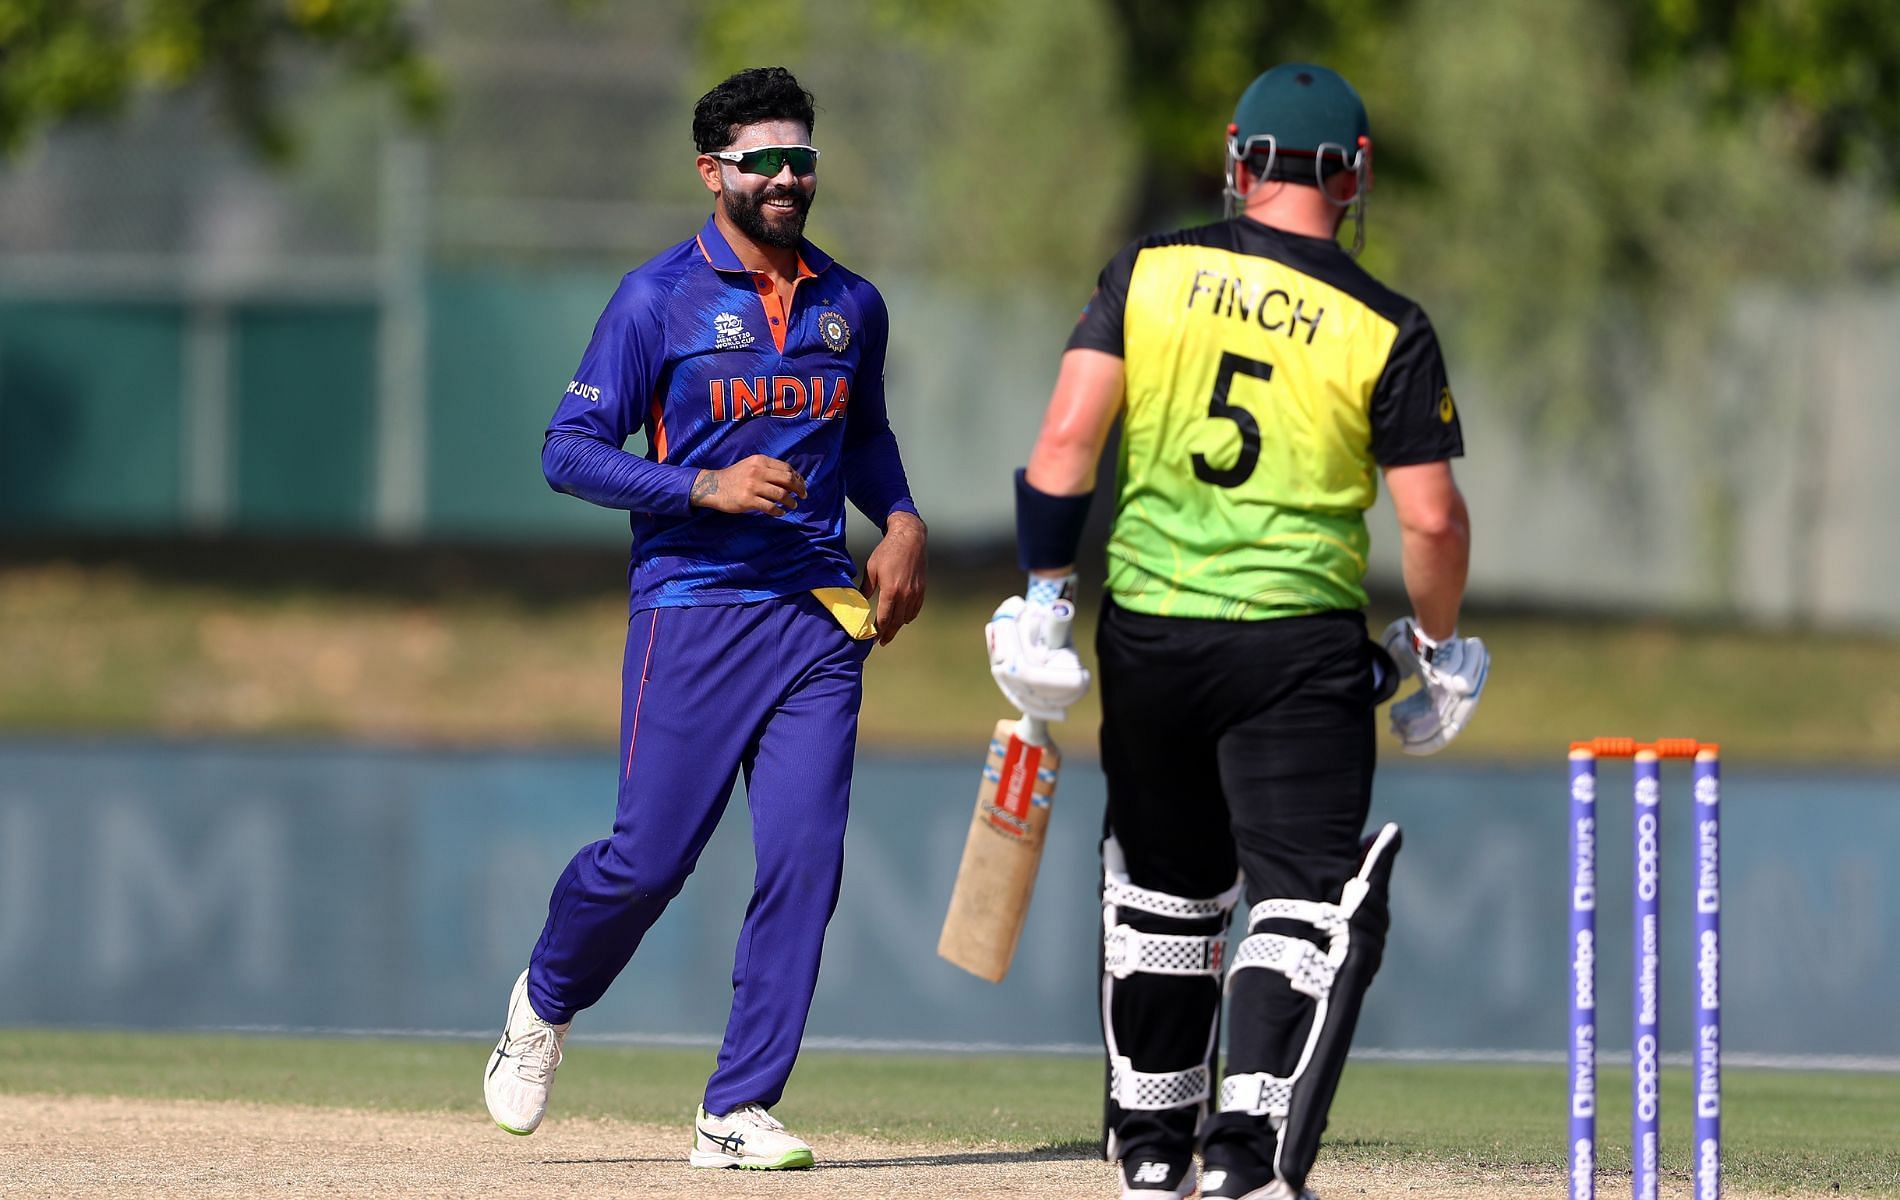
1877,1064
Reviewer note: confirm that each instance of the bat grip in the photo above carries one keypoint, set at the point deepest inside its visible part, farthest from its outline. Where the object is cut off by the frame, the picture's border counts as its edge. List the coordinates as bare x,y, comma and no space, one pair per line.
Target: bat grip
1033,730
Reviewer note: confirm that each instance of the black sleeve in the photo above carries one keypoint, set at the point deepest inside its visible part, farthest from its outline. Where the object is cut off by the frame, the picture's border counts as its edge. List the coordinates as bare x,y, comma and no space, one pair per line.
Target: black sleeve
1413,417
1100,326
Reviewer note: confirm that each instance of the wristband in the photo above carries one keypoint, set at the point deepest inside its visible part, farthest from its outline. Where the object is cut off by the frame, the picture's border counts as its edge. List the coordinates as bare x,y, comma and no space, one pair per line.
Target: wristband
1048,528
1047,589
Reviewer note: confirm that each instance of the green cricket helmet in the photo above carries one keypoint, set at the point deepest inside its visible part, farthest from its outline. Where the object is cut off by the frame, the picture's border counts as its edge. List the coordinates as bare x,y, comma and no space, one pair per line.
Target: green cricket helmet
1301,123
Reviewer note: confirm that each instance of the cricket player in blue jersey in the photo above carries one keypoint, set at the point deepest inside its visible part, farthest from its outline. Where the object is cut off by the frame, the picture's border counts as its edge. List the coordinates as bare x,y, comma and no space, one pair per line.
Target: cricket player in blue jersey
755,366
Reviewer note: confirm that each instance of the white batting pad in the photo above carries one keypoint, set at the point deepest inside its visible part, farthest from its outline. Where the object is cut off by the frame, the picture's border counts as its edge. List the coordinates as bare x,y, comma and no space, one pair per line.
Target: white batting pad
1150,1091
1126,951
1259,1094
1305,965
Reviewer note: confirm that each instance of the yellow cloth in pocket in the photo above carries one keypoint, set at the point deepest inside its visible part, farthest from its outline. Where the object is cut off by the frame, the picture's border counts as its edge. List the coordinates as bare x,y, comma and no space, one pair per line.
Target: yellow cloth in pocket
851,610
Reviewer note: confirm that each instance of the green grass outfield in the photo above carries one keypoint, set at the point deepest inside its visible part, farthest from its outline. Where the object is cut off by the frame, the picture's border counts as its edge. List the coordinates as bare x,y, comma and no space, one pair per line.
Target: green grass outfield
112,648
1783,1131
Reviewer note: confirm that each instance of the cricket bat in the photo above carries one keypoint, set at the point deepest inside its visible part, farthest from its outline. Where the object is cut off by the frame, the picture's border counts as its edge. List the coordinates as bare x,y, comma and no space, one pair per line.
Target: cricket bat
1004,848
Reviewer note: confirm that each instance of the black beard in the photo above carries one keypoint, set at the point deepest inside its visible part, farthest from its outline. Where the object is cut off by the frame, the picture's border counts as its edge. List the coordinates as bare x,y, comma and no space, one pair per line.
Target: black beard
747,211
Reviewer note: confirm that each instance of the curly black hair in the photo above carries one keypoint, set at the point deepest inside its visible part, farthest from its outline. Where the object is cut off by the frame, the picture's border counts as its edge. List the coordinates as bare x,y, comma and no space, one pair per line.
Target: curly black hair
753,95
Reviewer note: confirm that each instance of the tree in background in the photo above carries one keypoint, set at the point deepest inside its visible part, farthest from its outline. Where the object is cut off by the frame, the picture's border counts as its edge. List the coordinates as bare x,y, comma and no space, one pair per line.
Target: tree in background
1830,67
65,59
1558,166
988,136
1184,65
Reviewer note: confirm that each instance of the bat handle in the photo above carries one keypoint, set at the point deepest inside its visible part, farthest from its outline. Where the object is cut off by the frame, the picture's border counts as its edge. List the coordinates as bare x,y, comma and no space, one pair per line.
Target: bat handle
1033,730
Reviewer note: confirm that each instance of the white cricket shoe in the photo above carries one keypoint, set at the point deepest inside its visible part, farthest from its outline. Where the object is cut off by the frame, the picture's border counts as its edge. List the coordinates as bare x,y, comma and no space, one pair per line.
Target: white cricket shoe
521,1069
1217,1184
748,1137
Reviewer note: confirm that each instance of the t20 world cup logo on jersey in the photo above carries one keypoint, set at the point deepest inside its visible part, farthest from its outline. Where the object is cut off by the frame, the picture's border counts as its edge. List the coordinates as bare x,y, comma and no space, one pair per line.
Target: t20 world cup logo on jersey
816,398
730,333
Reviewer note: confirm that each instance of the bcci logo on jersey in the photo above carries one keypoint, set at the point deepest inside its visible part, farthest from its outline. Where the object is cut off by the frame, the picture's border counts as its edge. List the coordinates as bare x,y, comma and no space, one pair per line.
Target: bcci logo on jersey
832,328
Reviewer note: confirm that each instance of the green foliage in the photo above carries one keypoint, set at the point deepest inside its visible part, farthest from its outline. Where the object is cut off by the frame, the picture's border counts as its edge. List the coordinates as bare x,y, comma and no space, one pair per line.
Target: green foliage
108,649
980,138
61,59
1185,65
58,59
1827,70
1831,68
1581,224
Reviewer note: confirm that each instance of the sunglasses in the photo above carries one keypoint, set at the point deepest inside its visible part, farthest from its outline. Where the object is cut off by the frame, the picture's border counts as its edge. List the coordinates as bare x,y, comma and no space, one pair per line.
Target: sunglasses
770,160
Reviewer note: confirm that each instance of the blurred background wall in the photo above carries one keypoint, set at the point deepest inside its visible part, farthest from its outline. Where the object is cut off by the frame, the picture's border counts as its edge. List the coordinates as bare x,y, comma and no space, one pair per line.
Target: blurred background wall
325,887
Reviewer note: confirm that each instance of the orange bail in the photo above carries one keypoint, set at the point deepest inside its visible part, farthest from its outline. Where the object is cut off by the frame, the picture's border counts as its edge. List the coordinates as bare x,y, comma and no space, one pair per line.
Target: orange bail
1615,747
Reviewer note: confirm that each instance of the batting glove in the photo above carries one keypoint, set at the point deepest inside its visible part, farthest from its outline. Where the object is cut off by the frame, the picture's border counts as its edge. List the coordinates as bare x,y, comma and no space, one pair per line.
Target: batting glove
1451,676
1032,657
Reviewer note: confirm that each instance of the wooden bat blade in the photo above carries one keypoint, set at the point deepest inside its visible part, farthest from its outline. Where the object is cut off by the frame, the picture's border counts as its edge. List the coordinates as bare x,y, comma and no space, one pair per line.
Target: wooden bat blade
1001,853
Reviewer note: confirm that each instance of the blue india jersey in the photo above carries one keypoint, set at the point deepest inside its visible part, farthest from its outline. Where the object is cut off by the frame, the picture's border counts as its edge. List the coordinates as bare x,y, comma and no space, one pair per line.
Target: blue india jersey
699,353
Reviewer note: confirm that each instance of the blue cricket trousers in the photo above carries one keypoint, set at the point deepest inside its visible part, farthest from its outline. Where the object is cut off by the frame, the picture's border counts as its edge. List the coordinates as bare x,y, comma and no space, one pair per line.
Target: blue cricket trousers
771,689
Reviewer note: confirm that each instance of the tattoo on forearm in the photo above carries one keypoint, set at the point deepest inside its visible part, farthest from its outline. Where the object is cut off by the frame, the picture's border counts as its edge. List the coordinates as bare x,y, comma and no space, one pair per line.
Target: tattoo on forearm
707,484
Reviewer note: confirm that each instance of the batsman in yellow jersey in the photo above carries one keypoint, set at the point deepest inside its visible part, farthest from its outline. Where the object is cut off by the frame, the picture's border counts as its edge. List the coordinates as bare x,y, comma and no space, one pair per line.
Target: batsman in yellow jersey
1265,382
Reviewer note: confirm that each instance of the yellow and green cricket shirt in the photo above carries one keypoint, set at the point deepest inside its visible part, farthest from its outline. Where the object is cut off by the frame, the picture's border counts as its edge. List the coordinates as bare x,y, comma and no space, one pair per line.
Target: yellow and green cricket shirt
1268,376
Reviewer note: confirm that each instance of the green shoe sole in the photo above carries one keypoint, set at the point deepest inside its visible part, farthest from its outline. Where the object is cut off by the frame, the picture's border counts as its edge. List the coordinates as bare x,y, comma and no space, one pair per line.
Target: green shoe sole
796,1160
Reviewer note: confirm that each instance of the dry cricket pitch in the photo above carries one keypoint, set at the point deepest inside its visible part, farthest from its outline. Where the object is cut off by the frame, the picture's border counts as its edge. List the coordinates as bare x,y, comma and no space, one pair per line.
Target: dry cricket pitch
91,1146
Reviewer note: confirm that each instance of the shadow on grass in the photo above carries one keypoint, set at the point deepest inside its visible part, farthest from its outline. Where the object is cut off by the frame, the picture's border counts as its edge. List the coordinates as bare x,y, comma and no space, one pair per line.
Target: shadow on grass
1050,1152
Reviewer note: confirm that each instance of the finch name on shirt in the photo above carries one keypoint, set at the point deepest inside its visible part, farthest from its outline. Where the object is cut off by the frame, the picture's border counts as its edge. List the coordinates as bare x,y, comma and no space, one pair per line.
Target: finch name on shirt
820,398
1272,308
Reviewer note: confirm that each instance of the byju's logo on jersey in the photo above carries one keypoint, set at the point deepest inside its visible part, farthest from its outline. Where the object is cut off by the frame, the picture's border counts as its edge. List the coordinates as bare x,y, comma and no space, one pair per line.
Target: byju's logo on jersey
730,333
833,328
585,391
